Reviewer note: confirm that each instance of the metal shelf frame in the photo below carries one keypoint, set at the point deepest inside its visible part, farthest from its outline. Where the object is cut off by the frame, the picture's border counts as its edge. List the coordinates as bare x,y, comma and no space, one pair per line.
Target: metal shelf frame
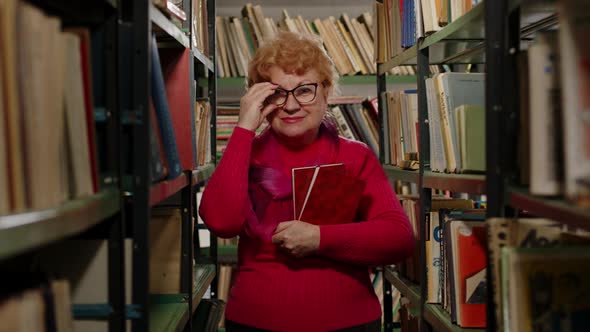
490,33
166,312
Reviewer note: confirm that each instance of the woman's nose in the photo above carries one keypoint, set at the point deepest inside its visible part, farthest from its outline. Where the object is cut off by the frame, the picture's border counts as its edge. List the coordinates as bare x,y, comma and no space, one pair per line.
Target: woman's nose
291,105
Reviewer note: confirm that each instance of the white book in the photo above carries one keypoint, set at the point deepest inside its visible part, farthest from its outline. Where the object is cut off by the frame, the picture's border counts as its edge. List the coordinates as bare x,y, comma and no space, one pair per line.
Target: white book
437,154
456,89
575,56
544,109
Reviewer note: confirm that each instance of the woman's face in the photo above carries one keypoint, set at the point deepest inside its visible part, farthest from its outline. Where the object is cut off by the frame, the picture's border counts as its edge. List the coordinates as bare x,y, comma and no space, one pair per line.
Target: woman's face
297,121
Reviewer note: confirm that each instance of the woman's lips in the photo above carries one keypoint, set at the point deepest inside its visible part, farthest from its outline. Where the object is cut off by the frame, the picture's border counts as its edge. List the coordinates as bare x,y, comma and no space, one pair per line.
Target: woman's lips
293,119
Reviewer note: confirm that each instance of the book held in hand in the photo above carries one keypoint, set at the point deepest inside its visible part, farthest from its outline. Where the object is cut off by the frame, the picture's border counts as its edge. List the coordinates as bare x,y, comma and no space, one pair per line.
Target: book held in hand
325,195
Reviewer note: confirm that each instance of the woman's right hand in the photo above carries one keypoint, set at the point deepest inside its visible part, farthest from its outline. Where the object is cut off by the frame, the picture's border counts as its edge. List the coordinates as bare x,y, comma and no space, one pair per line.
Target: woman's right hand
252,107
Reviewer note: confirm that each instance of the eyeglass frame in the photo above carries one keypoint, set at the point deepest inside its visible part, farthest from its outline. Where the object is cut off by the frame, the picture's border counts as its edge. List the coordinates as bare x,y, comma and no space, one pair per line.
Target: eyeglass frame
315,93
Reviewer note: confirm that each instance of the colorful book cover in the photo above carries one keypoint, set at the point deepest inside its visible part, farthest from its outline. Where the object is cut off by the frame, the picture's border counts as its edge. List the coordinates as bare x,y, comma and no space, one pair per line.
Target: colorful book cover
471,254
549,289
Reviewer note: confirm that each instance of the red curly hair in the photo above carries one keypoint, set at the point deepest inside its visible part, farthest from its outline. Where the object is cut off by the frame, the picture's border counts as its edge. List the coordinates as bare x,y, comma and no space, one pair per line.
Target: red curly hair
293,53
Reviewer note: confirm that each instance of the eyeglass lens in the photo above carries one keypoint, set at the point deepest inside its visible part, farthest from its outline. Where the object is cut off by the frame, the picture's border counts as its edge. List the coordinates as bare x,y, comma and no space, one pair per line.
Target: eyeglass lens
303,94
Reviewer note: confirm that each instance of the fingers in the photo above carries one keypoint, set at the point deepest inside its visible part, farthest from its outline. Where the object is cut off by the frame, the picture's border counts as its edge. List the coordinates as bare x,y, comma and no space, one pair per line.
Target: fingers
252,105
261,90
283,226
268,109
277,239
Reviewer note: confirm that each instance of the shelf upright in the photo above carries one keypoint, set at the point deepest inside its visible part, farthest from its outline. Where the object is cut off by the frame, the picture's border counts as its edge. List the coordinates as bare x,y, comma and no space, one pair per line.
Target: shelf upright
140,184
116,232
186,264
424,153
387,289
495,35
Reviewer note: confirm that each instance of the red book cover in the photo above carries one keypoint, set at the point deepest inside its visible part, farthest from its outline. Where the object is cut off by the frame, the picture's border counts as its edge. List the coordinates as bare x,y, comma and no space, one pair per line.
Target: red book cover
175,67
472,266
301,179
332,197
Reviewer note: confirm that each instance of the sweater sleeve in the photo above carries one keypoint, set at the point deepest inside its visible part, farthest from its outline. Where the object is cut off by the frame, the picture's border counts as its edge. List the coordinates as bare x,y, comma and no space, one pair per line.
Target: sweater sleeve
384,237
225,204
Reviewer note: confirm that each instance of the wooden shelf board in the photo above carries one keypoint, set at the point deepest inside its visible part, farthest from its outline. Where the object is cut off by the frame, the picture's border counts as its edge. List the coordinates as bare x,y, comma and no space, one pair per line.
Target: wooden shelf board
162,190
441,321
553,208
203,173
396,173
164,24
465,183
407,57
204,275
24,231
202,58
168,317
468,27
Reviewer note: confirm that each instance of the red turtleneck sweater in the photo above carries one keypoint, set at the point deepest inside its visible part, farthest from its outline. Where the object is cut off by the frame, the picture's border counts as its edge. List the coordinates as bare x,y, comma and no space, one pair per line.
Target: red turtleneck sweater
329,290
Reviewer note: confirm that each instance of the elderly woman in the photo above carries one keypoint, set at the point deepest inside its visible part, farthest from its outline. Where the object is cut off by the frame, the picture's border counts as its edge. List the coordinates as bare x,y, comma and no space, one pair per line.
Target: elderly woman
293,275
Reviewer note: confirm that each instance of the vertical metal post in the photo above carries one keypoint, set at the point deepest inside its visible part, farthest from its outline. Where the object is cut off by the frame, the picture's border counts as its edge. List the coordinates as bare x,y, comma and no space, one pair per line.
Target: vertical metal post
511,114
381,87
211,12
387,304
424,154
186,265
495,35
116,237
495,25
141,73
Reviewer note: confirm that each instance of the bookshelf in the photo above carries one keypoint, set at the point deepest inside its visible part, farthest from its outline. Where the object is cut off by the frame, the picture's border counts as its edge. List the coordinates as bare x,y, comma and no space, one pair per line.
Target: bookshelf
406,287
165,189
466,40
440,320
29,230
168,312
552,208
465,183
115,74
394,172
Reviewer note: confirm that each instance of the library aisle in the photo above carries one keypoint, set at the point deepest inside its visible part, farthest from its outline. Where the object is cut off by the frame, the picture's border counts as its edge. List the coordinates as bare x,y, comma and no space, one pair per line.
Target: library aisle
115,113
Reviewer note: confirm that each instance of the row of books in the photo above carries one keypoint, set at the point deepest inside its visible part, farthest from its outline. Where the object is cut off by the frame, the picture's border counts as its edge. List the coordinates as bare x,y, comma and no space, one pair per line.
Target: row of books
180,133
227,120
349,41
48,148
540,275
454,247
43,308
400,24
554,150
536,265
458,282
456,120
356,119
173,10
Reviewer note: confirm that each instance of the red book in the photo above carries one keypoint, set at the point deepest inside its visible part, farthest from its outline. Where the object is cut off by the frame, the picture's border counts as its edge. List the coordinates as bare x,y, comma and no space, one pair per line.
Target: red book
471,245
175,67
325,195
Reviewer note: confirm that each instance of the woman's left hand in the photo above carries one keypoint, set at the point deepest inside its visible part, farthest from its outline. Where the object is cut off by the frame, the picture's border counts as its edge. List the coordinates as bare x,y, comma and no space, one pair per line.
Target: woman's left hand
298,238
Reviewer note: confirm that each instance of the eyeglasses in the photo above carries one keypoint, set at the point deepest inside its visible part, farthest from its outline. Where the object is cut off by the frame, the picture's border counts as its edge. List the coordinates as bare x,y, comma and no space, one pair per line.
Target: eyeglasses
304,94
